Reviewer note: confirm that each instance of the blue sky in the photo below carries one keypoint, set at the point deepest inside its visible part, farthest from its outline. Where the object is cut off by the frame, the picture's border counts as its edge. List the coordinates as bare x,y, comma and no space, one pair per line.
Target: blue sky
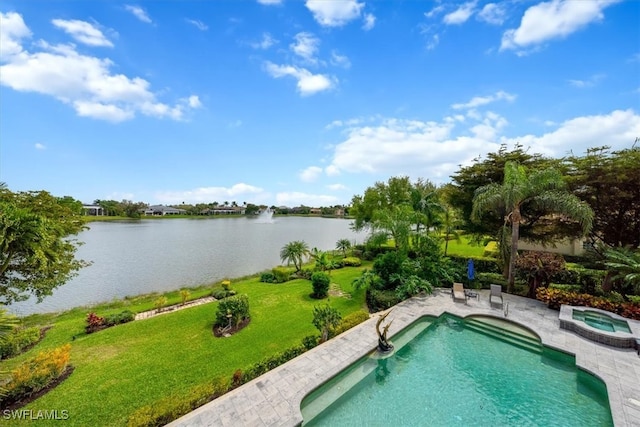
301,102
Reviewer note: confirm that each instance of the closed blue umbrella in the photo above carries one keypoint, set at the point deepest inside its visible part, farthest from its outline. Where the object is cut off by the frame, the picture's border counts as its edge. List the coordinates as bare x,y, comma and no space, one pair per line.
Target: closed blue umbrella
470,270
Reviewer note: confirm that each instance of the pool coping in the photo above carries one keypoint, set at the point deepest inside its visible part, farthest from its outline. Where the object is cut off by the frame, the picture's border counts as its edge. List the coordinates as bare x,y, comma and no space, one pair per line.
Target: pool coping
274,398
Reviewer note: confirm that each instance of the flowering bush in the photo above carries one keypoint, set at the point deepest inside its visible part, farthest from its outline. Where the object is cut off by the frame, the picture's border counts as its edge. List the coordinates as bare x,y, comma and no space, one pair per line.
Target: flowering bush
554,298
94,323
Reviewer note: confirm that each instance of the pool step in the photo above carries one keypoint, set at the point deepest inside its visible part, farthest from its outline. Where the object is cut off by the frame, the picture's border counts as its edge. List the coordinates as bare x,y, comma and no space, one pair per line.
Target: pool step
514,338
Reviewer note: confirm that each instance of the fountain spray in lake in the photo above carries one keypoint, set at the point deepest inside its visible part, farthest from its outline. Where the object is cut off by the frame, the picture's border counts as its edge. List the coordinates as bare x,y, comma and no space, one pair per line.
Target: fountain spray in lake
265,217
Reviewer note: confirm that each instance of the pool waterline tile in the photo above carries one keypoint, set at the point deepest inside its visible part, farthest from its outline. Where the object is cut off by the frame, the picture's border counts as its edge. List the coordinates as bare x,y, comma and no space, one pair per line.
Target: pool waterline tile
619,368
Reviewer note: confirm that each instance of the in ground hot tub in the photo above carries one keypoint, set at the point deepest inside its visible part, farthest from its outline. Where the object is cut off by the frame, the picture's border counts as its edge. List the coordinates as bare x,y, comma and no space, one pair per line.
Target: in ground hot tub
600,326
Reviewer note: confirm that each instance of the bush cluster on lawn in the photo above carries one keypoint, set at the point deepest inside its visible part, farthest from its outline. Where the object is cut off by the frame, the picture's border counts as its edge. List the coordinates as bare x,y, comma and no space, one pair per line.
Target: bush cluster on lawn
35,374
232,311
222,294
18,340
554,298
96,323
170,408
351,262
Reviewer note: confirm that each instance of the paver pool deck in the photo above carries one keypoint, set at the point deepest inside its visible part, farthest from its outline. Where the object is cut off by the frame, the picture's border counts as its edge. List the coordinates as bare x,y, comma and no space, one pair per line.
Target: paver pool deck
274,398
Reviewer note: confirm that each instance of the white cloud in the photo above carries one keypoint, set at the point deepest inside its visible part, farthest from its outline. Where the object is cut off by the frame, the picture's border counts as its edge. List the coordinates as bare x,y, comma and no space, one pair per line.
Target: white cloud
308,83
433,42
590,82
337,187
40,146
306,46
436,149
332,170
340,60
493,13
265,43
553,19
295,198
12,31
433,12
334,13
369,21
618,128
139,13
211,194
269,2
478,101
193,101
198,24
84,82
83,32
310,174
460,15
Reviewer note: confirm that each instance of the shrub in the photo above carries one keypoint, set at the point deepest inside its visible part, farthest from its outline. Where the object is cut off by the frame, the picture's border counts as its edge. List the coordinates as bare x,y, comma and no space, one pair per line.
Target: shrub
349,322
268,277
94,323
305,273
484,280
325,319
282,274
232,310
18,340
378,300
482,265
35,374
320,282
119,318
160,302
226,284
310,341
554,298
351,262
184,296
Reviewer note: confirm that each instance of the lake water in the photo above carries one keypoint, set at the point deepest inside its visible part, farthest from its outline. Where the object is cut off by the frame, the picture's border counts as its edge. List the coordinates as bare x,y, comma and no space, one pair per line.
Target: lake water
136,257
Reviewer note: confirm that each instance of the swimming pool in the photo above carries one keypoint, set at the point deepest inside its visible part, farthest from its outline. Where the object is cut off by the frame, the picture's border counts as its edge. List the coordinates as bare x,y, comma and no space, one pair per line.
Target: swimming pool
601,321
450,371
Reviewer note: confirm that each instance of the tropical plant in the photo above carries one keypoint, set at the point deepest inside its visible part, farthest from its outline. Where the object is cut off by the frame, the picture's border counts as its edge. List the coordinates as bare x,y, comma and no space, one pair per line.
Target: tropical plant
539,268
396,221
543,189
425,202
294,253
8,323
624,265
184,296
160,302
325,318
343,245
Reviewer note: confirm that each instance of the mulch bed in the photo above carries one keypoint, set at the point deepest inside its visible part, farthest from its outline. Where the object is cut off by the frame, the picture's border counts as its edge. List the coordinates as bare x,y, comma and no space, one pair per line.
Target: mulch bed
12,405
220,333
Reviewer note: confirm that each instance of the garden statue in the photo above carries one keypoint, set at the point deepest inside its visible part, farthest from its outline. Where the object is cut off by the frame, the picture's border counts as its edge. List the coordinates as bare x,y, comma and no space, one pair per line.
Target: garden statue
384,346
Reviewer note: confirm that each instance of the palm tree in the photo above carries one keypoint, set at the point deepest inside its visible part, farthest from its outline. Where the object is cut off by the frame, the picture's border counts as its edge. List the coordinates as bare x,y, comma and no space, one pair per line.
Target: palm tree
544,189
625,265
343,245
294,252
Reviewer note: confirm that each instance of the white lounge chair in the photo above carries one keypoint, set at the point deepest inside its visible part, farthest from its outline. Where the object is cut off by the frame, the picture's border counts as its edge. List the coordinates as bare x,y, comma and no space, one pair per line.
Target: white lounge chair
457,293
496,292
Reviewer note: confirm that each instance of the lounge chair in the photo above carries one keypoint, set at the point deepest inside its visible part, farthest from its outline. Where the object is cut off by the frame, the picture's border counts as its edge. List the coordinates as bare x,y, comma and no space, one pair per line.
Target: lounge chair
496,292
457,293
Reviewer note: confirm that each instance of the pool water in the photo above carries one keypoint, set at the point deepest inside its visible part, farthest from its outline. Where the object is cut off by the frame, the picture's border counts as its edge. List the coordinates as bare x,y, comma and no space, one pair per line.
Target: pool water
453,372
601,321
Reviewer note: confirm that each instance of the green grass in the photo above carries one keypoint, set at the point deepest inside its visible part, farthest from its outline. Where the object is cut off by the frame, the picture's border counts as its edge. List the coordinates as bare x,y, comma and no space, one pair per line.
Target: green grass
120,369
464,248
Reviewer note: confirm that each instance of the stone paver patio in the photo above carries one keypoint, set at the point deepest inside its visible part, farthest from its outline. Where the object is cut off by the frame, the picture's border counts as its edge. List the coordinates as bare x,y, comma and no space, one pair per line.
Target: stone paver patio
274,398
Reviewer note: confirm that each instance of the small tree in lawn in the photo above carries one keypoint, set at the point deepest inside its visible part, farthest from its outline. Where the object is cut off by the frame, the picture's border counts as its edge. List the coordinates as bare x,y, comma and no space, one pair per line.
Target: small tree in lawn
325,318
320,282
184,296
343,245
294,253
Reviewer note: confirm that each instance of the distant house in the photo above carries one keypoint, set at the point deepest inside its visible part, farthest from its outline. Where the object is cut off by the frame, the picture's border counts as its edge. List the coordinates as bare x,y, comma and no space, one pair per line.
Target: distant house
315,211
224,210
161,210
573,247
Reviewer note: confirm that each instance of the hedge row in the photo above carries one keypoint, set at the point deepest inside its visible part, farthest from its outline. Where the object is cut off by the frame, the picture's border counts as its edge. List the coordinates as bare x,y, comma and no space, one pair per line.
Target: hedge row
554,298
18,340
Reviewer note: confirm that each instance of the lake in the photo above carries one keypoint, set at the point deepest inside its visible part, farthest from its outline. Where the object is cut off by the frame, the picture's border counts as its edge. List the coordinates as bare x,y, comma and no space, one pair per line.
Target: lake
143,256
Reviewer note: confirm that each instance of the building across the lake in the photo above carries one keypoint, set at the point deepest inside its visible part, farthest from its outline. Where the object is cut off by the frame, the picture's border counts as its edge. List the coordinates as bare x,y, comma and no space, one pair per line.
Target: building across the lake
161,210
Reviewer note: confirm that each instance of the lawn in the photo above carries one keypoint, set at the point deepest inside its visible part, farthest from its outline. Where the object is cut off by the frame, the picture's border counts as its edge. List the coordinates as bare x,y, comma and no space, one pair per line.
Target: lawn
120,369
464,248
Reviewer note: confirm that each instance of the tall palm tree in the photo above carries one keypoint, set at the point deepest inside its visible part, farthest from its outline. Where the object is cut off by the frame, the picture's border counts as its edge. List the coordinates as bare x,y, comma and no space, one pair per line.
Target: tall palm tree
294,252
544,189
